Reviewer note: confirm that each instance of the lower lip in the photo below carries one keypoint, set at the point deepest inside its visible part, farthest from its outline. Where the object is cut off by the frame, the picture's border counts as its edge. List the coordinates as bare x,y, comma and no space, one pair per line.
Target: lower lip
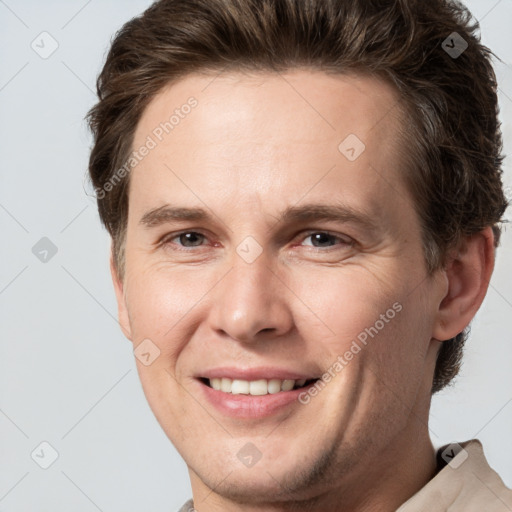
249,406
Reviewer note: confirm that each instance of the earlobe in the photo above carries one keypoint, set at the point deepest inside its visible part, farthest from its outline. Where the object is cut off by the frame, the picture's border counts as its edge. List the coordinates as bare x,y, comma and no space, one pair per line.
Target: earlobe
122,310
468,273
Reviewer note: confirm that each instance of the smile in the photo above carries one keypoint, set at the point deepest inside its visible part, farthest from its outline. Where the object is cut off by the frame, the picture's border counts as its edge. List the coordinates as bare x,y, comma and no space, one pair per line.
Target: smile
258,387
253,394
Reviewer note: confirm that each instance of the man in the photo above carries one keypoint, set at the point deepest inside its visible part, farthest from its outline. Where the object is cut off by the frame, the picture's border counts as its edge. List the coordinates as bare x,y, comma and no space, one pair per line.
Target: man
304,198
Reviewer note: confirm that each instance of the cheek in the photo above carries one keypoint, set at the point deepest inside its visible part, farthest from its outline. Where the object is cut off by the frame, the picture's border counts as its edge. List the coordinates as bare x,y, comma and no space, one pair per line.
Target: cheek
376,324
350,303
160,301
397,347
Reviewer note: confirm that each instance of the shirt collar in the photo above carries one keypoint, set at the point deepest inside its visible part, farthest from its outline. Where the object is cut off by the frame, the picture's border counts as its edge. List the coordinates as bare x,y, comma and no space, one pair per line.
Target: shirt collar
464,483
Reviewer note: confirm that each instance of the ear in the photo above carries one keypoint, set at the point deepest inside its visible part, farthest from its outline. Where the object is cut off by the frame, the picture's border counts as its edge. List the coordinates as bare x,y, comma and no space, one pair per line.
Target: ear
468,272
122,310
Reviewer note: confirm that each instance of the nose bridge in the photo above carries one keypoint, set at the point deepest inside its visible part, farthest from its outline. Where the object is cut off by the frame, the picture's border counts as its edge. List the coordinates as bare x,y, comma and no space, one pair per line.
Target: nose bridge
251,298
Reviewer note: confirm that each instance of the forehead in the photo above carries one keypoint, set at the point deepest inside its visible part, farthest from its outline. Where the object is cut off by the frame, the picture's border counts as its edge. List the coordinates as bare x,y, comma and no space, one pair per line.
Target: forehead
259,104
269,136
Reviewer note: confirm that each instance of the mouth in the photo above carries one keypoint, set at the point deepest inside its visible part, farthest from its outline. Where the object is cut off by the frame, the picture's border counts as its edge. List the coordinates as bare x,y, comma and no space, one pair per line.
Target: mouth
258,387
254,393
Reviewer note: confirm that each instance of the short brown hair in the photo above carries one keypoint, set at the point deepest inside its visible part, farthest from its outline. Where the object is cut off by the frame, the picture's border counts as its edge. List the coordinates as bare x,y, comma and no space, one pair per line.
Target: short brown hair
454,144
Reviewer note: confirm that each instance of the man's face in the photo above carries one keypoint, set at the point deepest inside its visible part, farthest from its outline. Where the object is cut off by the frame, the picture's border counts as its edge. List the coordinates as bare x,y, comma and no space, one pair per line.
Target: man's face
265,288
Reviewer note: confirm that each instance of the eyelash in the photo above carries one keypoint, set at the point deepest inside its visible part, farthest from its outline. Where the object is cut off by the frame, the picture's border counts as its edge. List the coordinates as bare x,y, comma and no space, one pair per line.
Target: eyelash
166,241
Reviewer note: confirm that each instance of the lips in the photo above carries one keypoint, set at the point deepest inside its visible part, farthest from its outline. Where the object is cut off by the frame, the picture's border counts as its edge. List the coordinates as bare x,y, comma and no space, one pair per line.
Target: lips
252,398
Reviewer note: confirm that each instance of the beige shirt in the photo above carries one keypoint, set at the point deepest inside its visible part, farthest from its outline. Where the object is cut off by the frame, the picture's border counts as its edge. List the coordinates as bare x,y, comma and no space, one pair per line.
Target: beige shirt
465,483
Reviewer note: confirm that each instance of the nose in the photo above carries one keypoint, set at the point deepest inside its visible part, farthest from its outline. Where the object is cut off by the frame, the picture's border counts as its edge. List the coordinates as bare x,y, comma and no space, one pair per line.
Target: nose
251,302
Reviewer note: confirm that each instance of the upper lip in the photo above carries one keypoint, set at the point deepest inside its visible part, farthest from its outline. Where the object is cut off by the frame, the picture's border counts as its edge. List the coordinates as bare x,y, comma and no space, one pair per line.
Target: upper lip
251,374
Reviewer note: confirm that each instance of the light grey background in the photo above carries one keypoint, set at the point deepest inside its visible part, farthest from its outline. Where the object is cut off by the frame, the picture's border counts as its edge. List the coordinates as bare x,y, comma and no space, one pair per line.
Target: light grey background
67,374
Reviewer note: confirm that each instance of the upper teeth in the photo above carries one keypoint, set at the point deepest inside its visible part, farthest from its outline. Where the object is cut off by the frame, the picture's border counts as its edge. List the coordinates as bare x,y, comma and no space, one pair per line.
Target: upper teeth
254,387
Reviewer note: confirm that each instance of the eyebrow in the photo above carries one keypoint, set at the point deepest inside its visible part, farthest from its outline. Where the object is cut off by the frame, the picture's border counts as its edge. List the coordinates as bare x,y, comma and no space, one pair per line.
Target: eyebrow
293,214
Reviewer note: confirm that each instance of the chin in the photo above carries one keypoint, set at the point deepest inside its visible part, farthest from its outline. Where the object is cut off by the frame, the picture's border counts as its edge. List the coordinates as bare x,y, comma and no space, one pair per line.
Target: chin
286,474
251,486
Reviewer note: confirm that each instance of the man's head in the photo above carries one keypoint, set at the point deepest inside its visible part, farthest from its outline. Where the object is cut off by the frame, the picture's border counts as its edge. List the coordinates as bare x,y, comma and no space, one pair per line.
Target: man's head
290,124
